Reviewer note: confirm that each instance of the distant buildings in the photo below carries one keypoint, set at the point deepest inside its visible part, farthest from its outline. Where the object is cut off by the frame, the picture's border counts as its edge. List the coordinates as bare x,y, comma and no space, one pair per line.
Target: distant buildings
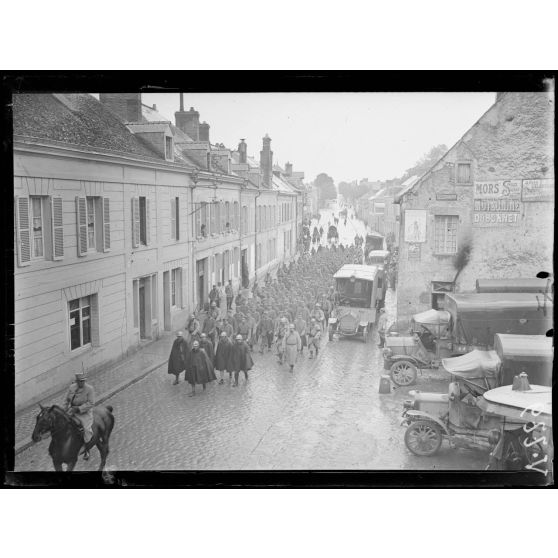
124,221
491,194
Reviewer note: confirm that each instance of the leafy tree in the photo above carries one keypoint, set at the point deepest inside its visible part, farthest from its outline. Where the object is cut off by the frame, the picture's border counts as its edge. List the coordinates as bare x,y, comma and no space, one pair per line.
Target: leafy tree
326,188
426,161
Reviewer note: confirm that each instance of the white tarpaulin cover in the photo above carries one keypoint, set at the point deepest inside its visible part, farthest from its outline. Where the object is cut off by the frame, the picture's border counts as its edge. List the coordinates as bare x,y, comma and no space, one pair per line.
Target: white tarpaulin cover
476,364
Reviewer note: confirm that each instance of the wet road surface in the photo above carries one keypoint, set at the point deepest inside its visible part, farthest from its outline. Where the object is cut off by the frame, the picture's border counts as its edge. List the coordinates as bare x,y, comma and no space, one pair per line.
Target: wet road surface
328,414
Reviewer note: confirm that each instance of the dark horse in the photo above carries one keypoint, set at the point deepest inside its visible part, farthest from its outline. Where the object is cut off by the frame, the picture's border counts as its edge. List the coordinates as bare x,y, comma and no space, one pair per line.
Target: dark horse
67,438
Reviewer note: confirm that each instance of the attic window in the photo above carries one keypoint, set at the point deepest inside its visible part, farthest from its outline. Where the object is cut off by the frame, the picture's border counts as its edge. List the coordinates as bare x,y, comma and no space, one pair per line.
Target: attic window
464,173
168,148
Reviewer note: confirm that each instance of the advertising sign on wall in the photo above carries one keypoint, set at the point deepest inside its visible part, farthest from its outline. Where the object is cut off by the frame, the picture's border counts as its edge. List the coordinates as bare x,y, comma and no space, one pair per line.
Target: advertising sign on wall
415,225
497,203
538,190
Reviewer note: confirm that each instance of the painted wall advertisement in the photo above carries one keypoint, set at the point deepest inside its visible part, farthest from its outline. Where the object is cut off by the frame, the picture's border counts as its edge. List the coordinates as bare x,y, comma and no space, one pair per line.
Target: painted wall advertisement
538,190
497,203
415,225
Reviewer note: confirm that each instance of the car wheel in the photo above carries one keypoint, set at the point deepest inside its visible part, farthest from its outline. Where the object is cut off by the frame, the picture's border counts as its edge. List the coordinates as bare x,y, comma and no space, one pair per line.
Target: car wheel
403,373
423,438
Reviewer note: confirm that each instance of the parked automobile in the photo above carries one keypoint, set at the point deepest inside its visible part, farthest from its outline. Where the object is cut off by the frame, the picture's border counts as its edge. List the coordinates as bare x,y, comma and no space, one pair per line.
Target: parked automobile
429,342
463,415
361,292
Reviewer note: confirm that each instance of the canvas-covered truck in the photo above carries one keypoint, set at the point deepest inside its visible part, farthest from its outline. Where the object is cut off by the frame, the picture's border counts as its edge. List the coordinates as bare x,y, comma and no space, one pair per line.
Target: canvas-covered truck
477,317
361,292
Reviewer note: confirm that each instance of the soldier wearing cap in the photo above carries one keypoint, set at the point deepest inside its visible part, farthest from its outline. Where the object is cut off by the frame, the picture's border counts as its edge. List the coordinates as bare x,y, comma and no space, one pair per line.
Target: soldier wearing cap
79,403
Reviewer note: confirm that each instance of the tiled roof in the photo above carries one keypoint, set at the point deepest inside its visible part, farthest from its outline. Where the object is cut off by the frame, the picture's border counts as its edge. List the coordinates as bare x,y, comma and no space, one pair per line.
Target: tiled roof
75,119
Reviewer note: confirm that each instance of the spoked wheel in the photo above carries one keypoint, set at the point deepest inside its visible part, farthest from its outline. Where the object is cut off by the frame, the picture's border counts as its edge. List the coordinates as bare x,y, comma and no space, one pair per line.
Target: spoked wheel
423,438
403,373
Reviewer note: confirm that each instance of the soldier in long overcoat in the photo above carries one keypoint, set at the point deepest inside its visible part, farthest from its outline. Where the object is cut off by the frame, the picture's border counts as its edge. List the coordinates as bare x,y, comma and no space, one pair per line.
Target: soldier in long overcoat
207,346
291,346
241,359
223,356
199,369
178,356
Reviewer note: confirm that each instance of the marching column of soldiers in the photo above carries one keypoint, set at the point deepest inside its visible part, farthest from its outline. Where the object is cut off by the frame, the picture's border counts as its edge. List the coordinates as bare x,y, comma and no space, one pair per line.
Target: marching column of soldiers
286,316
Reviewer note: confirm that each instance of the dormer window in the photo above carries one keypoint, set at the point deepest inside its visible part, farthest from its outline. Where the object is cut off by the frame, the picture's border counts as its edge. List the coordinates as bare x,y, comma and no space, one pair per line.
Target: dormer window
168,148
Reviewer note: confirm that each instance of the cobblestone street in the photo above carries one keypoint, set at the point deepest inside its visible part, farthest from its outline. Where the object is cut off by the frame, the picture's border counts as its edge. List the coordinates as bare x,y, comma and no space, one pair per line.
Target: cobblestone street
327,415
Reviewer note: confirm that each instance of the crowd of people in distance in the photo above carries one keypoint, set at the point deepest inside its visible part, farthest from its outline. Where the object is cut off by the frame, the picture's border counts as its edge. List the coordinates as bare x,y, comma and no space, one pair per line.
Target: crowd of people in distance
285,315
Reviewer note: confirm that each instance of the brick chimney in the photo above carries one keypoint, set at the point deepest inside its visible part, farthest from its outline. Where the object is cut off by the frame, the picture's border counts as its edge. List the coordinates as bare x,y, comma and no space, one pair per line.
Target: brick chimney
188,121
266,161
289,169
242,151
126,106
204,132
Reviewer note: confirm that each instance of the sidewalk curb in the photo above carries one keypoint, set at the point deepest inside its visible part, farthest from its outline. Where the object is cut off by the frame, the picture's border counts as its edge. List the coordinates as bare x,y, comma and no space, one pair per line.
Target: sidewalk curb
22,446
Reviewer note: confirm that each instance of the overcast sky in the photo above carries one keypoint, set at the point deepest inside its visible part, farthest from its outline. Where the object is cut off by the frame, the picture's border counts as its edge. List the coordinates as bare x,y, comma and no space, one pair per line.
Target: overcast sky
346,135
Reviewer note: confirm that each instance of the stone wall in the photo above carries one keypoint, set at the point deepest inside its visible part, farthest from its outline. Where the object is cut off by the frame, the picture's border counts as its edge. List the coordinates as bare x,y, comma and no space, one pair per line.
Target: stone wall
512,141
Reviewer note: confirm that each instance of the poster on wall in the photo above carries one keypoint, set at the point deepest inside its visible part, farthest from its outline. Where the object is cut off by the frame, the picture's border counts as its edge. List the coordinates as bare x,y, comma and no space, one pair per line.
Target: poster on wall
497,203
415,225
413,252
538,190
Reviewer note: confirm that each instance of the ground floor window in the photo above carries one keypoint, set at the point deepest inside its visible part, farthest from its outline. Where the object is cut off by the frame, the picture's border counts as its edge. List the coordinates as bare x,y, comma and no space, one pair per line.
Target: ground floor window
80,322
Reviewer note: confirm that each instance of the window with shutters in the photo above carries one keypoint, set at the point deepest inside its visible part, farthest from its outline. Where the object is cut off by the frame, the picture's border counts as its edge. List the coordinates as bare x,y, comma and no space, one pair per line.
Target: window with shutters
463,173
79,311
176,287
39,229
445,234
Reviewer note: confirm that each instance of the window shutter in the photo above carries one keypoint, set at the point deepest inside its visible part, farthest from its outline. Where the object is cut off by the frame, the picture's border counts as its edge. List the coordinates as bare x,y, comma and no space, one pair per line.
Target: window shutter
198,209
81,218
106,224
57,229
23,232
177,219
135,222
173,218
147,222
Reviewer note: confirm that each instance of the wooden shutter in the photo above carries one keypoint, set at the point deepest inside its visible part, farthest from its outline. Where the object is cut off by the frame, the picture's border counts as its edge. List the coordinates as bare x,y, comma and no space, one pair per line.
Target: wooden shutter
57,228
135,223
198,209
173,218
106,224
81,219
177,214
147,222
23,231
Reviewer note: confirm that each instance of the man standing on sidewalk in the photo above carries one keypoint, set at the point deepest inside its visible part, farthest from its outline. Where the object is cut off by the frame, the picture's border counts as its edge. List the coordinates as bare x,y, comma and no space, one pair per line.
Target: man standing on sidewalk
382,327
177,356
